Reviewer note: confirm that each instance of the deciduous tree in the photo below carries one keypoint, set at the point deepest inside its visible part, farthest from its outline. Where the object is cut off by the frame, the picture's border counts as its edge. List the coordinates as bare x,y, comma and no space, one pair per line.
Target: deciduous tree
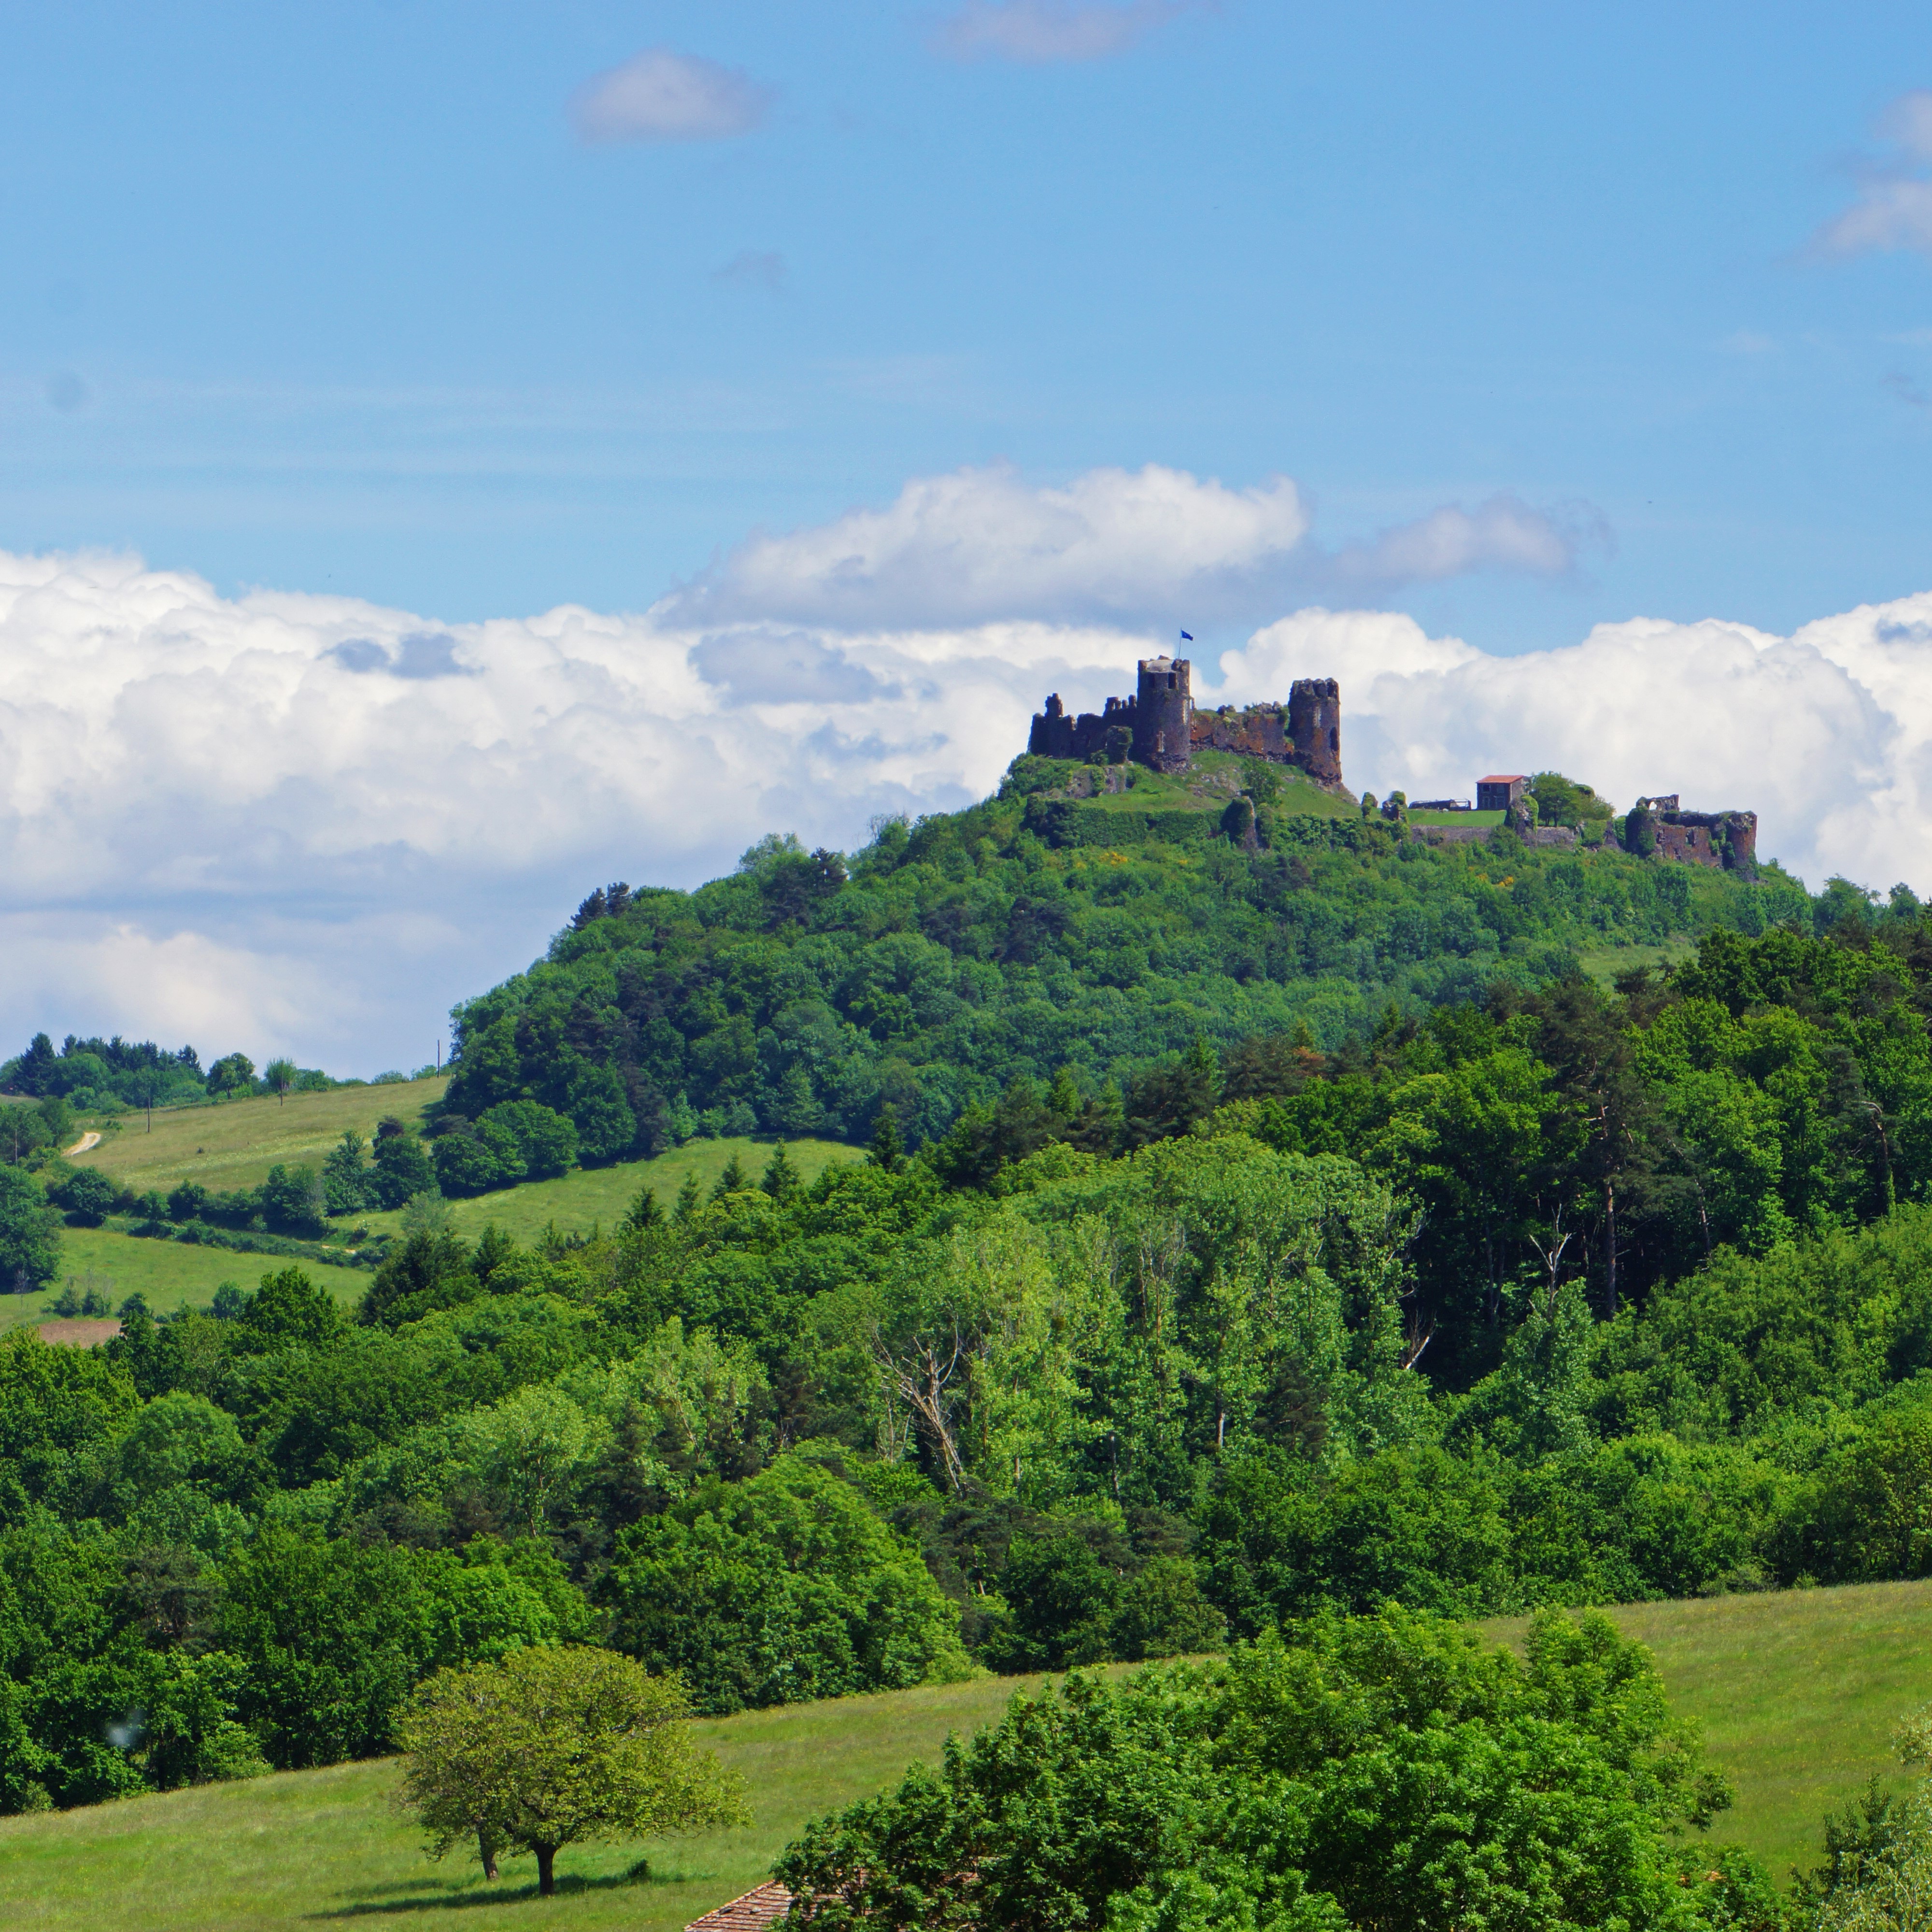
553,1747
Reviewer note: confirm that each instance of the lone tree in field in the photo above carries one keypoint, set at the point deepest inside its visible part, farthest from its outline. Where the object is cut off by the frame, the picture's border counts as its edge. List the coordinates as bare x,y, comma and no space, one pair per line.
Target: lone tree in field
552,1746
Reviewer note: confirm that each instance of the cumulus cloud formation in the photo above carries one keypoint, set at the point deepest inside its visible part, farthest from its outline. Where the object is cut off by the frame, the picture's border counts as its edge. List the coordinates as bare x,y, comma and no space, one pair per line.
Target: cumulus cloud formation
1893,209
1827,734
1038,31
1138,547
291,822
658,95
982,544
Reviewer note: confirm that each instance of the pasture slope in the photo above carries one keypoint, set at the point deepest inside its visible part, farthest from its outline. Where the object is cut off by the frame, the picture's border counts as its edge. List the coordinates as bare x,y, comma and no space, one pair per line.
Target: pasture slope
1798,1693
174,1274
601,1196
234,1144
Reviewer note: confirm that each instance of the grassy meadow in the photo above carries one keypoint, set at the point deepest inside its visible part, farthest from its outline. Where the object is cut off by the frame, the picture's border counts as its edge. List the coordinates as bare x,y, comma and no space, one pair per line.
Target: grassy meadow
319,1847
1603,963
600,1196
1210,781
234,1144
1797,1692
170,1274
1487,820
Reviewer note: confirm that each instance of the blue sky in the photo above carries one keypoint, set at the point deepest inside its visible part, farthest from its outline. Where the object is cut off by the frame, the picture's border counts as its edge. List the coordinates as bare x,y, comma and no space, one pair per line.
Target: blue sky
451,456
346,303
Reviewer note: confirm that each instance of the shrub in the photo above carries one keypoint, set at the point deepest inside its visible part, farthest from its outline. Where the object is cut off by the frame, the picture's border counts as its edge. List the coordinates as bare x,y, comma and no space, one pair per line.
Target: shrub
88,1196
545,1142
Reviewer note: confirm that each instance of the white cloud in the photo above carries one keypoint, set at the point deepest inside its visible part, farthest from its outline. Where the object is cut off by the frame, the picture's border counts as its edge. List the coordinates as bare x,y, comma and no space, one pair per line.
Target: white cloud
1143,547
289,823
980,544
658,95
1503,533
1893,209
1038,31
1826,734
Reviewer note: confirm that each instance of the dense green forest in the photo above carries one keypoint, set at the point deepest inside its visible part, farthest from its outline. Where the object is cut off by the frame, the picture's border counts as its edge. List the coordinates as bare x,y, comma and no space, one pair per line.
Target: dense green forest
1244,1236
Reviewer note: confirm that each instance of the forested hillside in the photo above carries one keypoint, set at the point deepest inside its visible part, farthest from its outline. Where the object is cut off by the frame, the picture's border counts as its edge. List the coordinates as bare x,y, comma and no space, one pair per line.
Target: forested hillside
800,995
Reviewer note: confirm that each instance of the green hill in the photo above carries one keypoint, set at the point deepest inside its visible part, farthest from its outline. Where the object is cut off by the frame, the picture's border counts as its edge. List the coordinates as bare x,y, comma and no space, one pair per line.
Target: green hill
1064,922
1798,1693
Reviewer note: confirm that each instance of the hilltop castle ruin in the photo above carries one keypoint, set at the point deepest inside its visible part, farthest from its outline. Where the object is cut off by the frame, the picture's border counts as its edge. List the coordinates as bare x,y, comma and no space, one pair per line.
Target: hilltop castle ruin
1159,726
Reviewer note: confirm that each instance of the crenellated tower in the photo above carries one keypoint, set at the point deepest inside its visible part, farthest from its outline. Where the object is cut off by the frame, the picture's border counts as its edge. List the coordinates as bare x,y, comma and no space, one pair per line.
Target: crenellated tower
1164,714
1315,727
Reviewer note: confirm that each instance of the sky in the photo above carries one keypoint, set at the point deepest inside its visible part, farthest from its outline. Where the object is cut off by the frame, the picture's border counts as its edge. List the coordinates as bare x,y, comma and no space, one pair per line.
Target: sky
451,456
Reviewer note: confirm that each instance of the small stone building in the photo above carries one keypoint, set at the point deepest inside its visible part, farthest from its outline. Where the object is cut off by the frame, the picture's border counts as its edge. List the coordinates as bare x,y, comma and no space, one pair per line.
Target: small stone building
1500,790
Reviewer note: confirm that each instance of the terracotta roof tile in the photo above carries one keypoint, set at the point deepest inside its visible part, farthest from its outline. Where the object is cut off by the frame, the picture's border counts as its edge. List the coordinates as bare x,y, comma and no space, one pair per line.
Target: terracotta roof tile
764,1905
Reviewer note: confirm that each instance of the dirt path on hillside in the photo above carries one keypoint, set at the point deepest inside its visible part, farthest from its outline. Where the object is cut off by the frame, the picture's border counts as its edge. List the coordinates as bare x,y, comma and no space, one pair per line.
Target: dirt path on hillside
81,1145
84,1334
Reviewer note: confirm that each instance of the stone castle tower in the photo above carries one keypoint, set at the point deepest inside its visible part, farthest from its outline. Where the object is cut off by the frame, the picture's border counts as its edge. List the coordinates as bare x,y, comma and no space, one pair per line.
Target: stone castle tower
1164,714
1315,727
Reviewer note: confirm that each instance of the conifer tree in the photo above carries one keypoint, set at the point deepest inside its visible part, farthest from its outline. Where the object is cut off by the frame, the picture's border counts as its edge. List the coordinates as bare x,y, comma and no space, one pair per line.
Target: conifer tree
888,1145
781,1179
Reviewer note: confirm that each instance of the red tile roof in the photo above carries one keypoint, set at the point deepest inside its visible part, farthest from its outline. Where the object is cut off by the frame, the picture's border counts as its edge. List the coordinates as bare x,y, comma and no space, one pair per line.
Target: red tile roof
765,1905
1502,777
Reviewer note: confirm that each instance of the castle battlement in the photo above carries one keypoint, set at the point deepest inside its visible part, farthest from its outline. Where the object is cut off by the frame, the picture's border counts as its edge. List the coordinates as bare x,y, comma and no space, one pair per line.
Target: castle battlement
1159,726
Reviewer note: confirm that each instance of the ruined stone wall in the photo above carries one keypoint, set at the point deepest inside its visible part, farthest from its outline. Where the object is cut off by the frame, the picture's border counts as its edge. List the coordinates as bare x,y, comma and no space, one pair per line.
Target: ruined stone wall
1163,730
1261,731
1562,835
1306,732
1055,735
1728,839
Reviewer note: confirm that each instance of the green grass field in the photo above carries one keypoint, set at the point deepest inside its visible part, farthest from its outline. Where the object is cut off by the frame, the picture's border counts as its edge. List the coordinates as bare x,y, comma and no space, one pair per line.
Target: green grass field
321,1847
601,1196
170,1274
1797,1692
235,1144
1603,963
1209,783
1485,819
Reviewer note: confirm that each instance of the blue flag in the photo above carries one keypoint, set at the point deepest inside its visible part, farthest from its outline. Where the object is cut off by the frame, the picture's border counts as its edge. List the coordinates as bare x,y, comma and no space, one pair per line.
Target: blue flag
1187,636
